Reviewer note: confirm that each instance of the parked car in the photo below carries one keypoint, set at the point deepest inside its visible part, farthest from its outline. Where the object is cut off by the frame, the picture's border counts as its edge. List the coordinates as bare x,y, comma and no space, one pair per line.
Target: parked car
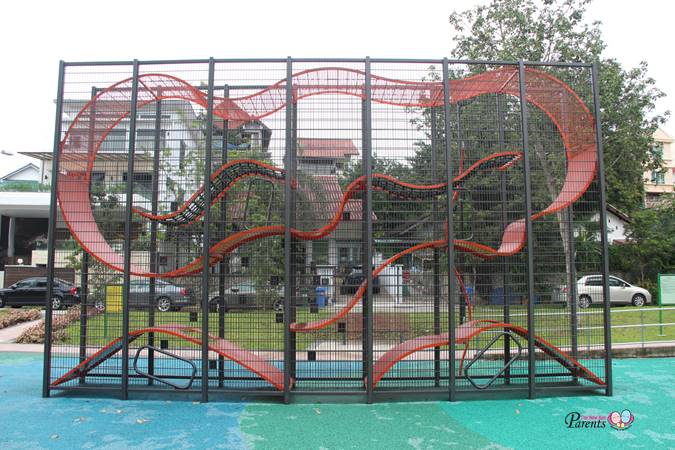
167,296
33,292
247,295
354,279
589,291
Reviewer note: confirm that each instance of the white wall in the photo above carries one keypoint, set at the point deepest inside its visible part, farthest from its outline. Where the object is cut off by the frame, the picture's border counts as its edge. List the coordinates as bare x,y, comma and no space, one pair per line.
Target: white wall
27,174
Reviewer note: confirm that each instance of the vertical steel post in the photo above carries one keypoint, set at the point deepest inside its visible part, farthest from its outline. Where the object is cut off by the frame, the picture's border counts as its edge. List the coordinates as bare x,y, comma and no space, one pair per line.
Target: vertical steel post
84,274
367,240
531,364
437,256
449,170
506,308
294,242
572,291
206,239
462,305
51,237
288,221
84,287
127,231
154,253
603,229
223,266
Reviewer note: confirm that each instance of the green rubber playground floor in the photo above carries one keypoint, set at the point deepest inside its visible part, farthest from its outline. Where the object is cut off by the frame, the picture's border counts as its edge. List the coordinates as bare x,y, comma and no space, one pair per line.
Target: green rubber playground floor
644,386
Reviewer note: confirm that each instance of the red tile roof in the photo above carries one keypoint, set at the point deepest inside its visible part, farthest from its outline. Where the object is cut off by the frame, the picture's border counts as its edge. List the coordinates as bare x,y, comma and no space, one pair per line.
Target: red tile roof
326,148
323,196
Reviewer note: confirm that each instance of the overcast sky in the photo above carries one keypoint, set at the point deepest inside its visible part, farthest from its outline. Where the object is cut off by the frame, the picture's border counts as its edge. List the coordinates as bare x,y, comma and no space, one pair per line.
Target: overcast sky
35,36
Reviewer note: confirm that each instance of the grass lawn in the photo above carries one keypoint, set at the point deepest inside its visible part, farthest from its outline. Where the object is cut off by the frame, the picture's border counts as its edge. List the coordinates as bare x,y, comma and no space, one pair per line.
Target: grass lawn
258,330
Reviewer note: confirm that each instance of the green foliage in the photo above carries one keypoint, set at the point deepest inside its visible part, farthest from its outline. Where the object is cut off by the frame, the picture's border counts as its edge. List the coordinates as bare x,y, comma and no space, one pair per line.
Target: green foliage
651,245
557,30
23,186
628,125
552,30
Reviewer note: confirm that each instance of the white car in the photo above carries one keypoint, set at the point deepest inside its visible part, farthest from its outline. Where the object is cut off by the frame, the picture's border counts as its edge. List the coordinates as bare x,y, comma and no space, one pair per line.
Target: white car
589,291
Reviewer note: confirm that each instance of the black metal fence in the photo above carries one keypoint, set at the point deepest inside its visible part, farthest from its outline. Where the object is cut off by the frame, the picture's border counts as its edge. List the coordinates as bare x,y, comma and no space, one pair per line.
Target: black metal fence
312,226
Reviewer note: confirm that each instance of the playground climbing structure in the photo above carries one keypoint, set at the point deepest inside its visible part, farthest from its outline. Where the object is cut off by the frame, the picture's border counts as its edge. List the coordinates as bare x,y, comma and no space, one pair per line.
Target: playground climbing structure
289,227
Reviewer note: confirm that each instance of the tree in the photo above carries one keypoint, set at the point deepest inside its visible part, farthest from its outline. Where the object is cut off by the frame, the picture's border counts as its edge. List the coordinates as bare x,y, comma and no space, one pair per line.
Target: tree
650,249
557,30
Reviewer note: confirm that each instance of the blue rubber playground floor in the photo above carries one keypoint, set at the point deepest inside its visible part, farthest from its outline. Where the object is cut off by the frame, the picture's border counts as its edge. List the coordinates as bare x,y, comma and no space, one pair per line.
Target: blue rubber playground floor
646,387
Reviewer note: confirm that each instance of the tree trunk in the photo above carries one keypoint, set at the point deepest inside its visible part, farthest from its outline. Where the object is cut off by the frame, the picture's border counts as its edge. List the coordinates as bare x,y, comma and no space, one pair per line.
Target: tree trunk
551,188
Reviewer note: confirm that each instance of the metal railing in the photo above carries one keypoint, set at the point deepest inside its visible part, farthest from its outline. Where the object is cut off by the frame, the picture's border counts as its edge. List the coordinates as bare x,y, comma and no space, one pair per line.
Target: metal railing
643,325
647,318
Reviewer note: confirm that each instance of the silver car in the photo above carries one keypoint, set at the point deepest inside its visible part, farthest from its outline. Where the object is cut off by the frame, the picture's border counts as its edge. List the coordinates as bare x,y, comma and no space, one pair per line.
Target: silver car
589,291
167,296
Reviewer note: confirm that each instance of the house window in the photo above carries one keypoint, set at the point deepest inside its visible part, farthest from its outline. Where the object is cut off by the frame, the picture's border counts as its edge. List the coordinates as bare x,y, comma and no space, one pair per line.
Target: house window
145,139
97,181
320,252
657,149
142,182
349,255
658,177
97,177
115,141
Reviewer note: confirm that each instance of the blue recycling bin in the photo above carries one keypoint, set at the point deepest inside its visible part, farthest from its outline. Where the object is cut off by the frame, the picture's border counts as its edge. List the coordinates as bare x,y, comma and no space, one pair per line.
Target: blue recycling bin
321,298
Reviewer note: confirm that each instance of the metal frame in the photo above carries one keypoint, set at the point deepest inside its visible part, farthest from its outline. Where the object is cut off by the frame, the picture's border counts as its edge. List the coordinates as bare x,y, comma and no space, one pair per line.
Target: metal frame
289,220
367,239
528,231
207,234
127,231
451,235
452,136
603,230
52,233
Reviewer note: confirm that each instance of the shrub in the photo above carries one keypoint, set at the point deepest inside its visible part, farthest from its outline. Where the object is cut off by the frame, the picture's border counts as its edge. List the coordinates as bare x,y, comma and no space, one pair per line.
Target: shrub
19,316
36,333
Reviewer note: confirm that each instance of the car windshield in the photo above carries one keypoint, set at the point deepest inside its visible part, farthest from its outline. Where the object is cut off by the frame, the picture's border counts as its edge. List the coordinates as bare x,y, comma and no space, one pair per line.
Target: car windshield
243,287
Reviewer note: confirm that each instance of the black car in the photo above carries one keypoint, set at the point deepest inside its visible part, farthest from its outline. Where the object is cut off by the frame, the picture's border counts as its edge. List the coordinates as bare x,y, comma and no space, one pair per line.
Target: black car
354,279
33,292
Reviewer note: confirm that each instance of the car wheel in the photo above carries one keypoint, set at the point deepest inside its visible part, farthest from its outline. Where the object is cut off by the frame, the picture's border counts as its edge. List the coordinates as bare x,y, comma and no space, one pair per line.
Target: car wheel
278,305
584,301
216,304
164,304
99,305
57,303
2,302
639,300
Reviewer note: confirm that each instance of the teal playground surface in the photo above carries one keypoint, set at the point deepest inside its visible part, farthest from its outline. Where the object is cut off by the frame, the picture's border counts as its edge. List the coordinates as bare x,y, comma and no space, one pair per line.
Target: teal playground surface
644,386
